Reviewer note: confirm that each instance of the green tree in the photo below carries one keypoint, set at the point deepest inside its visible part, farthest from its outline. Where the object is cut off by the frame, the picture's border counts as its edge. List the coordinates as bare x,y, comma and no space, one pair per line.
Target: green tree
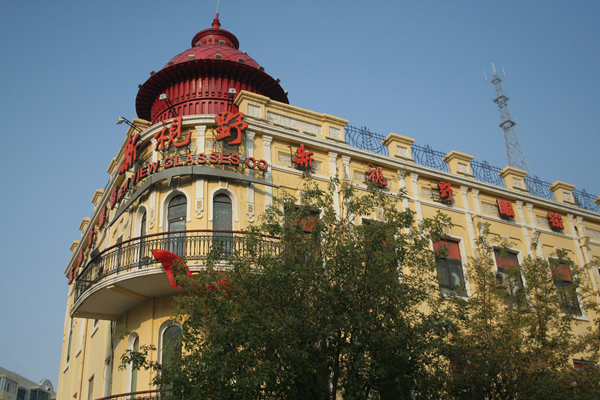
517,333
329,309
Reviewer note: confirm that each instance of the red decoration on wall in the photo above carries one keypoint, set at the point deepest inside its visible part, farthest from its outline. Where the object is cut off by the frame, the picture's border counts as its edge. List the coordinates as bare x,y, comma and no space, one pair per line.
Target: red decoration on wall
445,191
165,138
71,274
91,237
130,153
376,175
303,158
80,258
556,221
227,122
167,259
506,209
113,197
102,217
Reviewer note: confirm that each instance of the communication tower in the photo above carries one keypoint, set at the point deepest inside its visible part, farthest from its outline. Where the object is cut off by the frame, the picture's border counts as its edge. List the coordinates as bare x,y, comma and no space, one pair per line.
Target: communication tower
514,153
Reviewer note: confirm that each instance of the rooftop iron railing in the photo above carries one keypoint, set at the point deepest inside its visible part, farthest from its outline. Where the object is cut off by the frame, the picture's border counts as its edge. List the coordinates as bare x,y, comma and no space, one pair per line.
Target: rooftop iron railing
364,139
193,245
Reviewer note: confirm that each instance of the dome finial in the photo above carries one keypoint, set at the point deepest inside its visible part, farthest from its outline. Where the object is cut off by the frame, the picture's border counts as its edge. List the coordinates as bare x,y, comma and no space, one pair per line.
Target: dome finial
216,24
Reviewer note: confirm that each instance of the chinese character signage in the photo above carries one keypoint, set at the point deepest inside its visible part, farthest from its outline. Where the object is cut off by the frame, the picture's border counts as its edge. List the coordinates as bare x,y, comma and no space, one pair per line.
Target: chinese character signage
445,191
375,175
303,158
171,136
130,153
505,208
556,221
227,124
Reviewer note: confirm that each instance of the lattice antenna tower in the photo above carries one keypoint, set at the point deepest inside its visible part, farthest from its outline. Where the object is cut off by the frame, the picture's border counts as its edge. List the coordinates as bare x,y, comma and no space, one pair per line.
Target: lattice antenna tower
514,153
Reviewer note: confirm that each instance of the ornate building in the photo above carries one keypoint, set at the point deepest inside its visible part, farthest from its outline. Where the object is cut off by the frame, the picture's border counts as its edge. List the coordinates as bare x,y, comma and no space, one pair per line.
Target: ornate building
215,141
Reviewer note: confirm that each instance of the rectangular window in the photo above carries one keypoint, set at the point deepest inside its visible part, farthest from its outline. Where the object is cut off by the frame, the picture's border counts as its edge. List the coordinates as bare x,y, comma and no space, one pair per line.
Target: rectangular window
9,386
508,274
90,395
449,268
566,291
22,394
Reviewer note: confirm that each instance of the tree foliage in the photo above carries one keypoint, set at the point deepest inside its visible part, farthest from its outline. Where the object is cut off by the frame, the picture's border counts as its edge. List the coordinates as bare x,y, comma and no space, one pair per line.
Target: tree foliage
313,305
515,336
329,313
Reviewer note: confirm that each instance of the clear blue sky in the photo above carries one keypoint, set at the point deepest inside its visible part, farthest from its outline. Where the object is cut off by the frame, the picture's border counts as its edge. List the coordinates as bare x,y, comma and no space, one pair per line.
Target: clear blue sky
69,68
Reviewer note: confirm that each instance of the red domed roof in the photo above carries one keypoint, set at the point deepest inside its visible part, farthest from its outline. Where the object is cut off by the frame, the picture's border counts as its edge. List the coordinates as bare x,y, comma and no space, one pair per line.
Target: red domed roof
213,52
214,61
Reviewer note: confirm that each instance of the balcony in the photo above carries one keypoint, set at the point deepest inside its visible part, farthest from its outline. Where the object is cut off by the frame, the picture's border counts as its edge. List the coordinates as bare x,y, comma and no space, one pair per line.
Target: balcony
164,394
143,395
127,274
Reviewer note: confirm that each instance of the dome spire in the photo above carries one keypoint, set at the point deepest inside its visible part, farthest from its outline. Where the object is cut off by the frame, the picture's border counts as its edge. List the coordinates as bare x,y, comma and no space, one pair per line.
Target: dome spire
216,24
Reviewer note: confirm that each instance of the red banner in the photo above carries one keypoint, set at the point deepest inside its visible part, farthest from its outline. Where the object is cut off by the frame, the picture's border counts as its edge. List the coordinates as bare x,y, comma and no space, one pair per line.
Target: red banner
167,259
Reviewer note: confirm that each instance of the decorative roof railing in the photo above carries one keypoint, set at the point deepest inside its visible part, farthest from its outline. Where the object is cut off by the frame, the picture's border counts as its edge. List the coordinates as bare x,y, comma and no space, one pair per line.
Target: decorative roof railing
364,139
585,200
429,157
538,187
483,171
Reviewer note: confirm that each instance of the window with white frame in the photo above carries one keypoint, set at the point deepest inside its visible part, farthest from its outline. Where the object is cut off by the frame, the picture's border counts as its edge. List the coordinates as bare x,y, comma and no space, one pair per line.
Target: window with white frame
169,334
176,216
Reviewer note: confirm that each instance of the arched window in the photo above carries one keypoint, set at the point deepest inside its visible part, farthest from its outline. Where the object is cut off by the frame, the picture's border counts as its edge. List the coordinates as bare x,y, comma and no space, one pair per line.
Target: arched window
168,340
176,213
132,374
222,221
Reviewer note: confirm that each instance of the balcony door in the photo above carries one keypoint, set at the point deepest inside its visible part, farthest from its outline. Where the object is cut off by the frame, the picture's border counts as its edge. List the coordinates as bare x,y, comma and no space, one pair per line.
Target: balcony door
176,214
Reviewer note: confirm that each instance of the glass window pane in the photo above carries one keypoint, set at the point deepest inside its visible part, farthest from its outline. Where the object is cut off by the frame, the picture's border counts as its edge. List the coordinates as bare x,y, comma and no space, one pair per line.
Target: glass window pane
456,273
442,272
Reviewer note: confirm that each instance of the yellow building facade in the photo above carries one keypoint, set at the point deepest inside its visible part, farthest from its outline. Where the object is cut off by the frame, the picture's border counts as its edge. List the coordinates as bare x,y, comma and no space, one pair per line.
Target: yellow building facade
180,183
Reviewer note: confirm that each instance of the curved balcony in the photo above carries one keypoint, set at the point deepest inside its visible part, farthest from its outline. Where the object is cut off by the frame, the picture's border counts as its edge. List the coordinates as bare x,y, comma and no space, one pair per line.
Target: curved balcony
141,395
164,394
127,274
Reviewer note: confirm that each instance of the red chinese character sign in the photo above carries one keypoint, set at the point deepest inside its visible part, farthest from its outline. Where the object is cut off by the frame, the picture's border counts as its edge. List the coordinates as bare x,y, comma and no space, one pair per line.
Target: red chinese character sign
130,155
168,259
505,208
171,136
229,123
375,175
445,191
303,158
556,221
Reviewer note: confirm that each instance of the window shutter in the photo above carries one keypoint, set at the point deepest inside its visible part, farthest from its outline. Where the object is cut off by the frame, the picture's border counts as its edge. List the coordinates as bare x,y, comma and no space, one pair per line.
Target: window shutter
450,245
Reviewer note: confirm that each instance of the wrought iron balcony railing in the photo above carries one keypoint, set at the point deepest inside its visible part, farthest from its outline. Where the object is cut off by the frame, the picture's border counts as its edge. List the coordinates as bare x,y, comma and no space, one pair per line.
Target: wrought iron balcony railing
163,395
193,246
142,395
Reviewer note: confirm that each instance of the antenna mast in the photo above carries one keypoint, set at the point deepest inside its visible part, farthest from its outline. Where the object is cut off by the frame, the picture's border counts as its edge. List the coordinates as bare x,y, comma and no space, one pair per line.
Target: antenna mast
514,153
